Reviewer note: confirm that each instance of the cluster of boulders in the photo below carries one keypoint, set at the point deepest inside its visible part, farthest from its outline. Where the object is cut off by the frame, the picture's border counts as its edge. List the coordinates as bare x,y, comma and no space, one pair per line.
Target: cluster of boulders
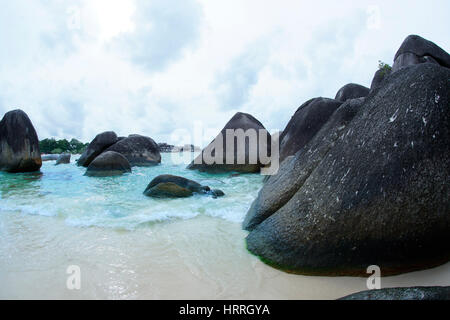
168,148
109,155
365,178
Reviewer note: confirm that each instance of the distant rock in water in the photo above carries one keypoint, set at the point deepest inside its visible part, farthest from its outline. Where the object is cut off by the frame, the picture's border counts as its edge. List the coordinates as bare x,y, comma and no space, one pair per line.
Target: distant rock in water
416,50
139,150
50,157
108,163
244,122
100,143
19,144
414,293
374,191
352,91
165,148
63,159
305,123
169,186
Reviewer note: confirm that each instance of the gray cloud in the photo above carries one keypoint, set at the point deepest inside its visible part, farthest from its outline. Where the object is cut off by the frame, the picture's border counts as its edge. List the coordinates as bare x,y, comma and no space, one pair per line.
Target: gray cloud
233,85
164,28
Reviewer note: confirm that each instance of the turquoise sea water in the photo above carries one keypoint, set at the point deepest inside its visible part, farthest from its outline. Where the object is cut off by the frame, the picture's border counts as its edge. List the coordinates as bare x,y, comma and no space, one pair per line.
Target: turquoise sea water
117,202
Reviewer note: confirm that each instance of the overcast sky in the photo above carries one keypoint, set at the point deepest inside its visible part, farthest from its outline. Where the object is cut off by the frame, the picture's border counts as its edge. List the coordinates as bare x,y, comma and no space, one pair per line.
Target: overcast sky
154,66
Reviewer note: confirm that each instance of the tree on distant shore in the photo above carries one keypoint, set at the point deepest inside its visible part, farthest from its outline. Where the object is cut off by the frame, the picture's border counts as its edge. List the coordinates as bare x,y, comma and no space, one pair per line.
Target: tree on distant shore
53,146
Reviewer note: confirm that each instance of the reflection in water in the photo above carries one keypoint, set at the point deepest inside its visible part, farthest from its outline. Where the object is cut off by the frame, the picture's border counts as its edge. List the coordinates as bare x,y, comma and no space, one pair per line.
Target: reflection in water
25,184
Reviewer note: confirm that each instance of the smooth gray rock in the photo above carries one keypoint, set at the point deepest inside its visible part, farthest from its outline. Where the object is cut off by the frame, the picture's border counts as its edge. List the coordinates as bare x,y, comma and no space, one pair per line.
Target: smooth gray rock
413,293
379,196
50,157
378,79
63,159
352,91
169,186
139,150
295,169
100,143
245,122
107,164
415,50
19,143
305,123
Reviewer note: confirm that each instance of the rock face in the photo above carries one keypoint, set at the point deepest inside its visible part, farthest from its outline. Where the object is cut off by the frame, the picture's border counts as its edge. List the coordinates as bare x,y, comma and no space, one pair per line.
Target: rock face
169,186
416,49
305,123
107,164
378,79
352,91
415,293
294,170
63,159
139,150
244,122
19,144
100,143
374,192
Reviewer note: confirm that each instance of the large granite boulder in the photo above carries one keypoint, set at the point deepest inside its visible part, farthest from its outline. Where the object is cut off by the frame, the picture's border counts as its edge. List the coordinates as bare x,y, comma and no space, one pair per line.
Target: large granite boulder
414,293
100,143
139,150
294,170
19,144
416,49
378,194
63,159
169,186
352,91
245,162
107,164
305,123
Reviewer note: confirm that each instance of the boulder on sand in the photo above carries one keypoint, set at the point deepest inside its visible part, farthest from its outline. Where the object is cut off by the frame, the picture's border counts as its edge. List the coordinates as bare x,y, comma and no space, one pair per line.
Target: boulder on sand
377,195
305,123
169,186
415,293
100,143
415,50
63,159
109,163
19,144
139,150
352,91
242,122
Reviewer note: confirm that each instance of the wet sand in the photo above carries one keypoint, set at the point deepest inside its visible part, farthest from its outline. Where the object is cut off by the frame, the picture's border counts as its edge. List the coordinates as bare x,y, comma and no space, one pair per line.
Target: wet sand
200,258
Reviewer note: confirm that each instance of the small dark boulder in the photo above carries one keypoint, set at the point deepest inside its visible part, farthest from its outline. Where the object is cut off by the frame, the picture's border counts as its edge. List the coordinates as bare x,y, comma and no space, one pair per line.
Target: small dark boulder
414,293
63,159
50,157
100,143
240,121
169,186
19,144
139,150
415,50
352,91
108,164
305,123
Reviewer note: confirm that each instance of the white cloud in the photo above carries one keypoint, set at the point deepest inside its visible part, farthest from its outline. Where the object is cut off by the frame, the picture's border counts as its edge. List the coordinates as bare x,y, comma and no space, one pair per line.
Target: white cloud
151,67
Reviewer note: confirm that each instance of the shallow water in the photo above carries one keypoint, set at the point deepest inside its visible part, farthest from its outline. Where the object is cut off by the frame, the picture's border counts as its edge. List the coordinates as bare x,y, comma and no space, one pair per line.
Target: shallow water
131,247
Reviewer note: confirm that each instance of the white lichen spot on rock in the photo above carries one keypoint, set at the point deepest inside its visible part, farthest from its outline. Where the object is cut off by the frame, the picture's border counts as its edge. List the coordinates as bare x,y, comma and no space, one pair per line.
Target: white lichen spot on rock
436,98
394,116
